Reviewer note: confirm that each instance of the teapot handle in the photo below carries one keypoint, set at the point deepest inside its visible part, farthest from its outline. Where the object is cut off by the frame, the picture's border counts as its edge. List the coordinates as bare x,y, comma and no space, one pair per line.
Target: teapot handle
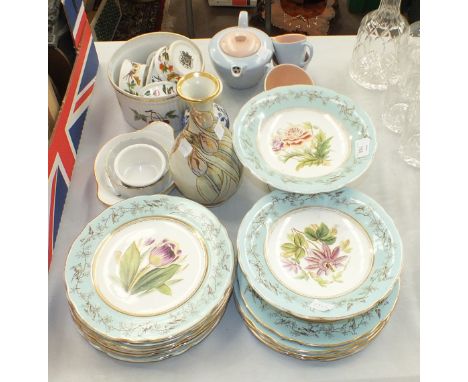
243,19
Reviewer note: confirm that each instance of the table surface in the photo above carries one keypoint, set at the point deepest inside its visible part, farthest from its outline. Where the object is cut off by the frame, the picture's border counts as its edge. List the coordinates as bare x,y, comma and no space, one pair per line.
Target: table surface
231,353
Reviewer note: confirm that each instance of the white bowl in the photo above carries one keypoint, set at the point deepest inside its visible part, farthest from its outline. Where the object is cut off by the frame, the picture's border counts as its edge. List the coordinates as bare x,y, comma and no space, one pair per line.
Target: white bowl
140,165
139,111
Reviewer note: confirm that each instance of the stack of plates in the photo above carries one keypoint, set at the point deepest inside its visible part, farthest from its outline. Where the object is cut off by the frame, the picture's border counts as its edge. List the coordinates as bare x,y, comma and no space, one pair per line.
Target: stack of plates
319,274
149,277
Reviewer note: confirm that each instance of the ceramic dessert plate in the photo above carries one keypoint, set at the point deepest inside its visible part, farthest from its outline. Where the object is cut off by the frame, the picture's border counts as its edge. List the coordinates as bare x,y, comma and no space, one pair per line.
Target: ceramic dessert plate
149,269
360,331
314,334
304,139
320,257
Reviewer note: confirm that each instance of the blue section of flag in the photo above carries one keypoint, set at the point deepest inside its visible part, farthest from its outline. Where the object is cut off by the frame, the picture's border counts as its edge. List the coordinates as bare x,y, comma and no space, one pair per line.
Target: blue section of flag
71,11
76,129
90,69
61,191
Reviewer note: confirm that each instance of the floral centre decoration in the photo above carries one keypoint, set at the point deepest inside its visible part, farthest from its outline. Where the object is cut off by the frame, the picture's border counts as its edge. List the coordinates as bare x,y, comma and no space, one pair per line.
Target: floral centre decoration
311,254
305,143
147,267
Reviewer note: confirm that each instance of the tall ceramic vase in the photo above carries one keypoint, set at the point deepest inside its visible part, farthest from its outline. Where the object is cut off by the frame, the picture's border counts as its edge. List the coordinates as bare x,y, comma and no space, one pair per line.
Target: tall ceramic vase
203,162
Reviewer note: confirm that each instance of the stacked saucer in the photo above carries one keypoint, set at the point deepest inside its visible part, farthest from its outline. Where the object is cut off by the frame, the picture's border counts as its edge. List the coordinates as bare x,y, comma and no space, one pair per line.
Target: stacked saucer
149,277
319,274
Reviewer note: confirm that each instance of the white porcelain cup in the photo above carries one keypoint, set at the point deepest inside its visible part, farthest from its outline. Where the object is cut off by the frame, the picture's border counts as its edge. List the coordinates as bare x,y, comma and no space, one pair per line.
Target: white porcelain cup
293,48
140,165
132,76
161,90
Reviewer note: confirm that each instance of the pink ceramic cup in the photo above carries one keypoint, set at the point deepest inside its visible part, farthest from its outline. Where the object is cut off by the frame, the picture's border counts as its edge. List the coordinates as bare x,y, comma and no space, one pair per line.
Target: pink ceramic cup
285,75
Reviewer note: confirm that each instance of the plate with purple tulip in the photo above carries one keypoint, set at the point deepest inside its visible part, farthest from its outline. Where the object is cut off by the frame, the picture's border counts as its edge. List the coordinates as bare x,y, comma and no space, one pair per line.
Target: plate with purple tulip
320,257
148,274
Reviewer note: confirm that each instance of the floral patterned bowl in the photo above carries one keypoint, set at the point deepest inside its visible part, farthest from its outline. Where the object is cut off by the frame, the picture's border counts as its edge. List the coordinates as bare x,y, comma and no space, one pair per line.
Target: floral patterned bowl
304,138
138,110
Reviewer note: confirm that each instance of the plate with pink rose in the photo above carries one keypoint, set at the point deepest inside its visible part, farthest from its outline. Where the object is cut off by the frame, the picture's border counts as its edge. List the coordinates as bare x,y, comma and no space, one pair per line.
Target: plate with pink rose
304,138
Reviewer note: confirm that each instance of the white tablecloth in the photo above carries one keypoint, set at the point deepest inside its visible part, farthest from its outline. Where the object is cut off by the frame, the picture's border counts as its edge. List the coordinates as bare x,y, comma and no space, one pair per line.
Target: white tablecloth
231,353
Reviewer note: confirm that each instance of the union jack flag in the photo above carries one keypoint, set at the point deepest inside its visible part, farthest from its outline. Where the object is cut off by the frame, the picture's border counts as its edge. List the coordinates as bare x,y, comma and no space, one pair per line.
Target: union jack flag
69,125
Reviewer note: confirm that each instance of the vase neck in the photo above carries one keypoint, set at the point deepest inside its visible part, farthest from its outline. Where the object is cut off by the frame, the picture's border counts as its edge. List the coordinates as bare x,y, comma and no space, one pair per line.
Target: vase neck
393,5
202,106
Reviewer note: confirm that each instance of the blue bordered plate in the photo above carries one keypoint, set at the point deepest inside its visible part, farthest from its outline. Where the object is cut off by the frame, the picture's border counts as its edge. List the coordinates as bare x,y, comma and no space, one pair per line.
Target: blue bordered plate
313,334
149,268
296,350
305,139
320,257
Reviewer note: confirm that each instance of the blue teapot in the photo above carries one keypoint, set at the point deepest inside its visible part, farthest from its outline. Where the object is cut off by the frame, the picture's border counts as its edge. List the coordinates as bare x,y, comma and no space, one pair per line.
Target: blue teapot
241,54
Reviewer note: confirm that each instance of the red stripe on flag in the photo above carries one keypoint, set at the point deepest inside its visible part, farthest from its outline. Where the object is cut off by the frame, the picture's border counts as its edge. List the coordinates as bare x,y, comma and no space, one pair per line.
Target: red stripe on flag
240,3
83,97
51,219
60,143
82,22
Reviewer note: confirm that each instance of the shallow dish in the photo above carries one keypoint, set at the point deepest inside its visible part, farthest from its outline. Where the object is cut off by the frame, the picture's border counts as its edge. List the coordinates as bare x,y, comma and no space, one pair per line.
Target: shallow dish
278,343
320,257
314,334
149,268
303,138
156,132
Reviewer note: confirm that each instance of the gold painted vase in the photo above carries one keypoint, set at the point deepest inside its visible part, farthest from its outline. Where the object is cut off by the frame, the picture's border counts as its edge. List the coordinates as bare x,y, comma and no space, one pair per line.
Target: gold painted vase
204,165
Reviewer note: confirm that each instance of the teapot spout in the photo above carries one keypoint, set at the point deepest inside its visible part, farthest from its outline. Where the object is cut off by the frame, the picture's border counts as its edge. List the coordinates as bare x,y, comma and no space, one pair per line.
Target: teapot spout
237,70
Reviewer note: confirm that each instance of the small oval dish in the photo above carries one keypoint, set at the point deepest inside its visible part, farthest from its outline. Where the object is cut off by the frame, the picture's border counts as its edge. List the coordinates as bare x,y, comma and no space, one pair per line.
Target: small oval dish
304,139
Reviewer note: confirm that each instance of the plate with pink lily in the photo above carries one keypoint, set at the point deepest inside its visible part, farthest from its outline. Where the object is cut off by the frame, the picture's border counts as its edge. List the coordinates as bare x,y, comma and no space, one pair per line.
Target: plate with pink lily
304,138
319,257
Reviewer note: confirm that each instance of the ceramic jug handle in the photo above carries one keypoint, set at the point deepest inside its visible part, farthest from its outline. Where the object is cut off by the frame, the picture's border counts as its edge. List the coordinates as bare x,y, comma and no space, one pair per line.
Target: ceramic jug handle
310,52
243,19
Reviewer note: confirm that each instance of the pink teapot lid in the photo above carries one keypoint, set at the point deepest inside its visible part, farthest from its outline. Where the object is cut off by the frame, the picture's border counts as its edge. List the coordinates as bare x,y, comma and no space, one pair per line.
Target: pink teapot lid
240,42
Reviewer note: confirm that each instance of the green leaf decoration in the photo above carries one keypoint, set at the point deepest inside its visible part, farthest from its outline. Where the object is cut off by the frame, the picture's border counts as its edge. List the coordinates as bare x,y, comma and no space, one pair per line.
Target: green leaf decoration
154,278
322,231
173,281
289,247
345,247
300,253
129,264
310,234
299,239
329,239
165,289
171,114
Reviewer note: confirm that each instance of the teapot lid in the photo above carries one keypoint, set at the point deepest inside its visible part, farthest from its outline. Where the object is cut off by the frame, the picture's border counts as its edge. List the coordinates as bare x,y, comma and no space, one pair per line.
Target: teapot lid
240,43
